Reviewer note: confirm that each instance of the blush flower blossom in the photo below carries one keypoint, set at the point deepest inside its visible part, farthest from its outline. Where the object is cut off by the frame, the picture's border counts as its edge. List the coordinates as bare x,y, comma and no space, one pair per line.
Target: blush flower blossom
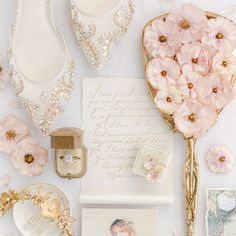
196,57
162,72
162,39
193,119
224,62
219,91
191,85
12,131
220,159
29,158
190,21
168,100
221,34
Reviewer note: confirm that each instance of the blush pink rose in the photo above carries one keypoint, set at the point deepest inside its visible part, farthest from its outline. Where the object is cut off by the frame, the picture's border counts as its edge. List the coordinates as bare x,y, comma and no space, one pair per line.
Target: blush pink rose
221,34
195,56
193,119
161,39
190,21
12,131
29,158
162,72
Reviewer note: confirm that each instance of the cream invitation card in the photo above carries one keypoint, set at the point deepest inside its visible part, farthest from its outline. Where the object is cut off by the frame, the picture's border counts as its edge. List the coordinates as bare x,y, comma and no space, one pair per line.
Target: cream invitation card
118,117
119,222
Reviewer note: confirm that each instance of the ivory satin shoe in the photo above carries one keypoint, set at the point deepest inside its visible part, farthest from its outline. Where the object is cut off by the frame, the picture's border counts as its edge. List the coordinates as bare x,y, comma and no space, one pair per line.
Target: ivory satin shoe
41,68
99,25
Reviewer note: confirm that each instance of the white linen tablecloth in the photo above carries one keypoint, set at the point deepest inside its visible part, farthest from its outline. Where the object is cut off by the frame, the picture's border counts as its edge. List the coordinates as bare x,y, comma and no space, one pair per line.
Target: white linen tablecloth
125,61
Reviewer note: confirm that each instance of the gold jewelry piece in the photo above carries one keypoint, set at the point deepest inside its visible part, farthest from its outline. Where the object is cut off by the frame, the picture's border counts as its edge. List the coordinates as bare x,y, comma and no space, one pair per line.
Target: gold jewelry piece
50,208
69,159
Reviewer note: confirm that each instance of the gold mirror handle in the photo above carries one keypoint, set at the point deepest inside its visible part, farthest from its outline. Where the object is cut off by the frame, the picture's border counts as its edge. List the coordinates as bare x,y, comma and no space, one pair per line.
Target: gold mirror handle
191,182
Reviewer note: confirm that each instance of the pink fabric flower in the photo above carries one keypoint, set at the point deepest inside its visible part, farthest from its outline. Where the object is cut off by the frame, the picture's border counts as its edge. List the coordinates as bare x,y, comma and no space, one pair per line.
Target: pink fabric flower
155,174
168,100
221,34
220,159
162,72
12,130
224,62
219,91
191,85
29,158
193,119
150,163
196,57
161,39
191,22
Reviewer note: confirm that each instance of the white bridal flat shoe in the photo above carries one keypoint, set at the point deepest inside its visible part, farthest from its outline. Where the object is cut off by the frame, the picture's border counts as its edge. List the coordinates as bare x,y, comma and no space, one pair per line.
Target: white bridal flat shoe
98,26
40,66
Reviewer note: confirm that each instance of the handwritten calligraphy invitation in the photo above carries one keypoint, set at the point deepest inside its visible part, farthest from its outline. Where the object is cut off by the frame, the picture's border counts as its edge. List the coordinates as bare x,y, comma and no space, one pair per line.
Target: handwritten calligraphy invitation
119,116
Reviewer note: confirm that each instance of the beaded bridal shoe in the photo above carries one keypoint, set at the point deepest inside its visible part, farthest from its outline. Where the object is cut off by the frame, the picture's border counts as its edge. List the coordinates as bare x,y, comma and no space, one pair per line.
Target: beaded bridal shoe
40,66
98,26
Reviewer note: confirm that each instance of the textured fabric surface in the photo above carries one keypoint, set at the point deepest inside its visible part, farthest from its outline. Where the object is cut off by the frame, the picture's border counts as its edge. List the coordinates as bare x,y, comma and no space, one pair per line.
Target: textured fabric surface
125,61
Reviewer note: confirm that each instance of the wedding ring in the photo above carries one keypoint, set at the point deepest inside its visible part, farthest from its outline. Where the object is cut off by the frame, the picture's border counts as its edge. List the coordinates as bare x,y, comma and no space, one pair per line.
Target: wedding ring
68,158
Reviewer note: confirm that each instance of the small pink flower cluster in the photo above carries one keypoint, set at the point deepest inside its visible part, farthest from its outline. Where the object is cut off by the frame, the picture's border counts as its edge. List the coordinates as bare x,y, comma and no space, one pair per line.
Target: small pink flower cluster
26,156
154,168
190,66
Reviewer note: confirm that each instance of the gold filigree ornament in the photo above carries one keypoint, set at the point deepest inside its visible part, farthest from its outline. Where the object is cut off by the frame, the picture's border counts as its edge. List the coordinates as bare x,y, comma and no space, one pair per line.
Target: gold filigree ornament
50,207
191,167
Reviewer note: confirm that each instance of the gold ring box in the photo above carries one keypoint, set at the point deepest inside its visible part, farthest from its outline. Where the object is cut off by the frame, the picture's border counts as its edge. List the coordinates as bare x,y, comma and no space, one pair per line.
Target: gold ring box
70,152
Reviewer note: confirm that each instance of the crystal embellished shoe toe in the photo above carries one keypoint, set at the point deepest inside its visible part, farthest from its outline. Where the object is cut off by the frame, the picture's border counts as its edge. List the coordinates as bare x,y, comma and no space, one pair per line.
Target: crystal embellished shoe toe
40,66
99,25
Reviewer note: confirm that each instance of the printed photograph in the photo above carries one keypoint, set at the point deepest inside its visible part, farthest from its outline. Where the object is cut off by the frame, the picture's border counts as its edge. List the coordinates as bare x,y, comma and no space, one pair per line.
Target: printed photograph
119,222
